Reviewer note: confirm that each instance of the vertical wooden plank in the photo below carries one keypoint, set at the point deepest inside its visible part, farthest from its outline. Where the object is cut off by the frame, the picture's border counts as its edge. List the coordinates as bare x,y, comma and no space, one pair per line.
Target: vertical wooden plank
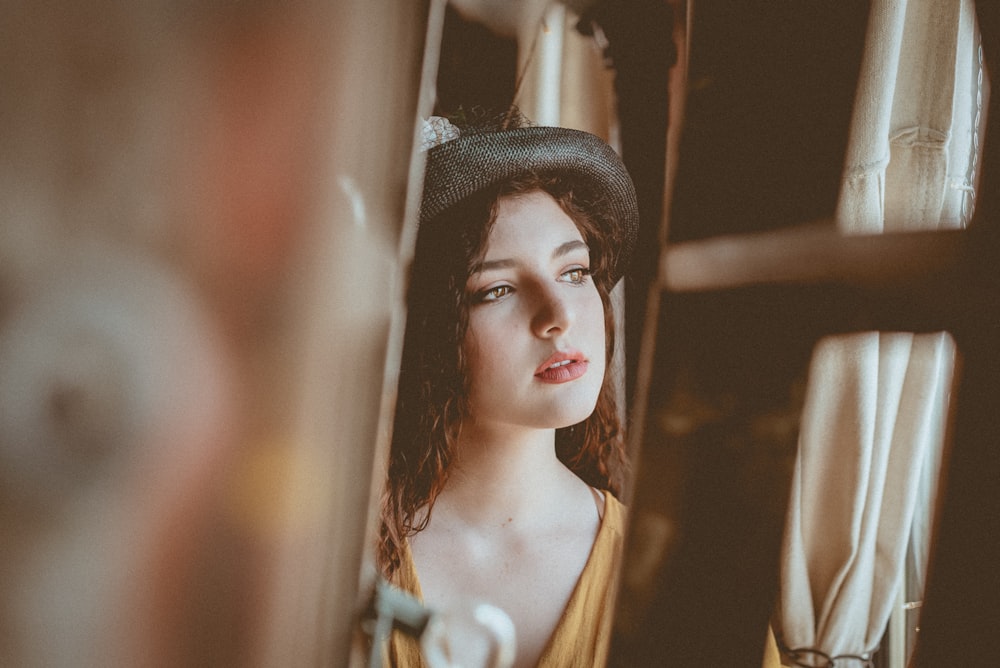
961,610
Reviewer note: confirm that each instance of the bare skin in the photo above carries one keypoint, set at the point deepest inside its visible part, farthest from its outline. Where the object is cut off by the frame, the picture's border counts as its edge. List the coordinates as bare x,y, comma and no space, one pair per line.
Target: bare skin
514,527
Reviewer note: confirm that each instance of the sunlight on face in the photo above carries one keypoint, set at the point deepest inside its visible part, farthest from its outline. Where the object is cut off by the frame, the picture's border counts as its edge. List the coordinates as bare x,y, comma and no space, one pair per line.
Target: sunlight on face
536,337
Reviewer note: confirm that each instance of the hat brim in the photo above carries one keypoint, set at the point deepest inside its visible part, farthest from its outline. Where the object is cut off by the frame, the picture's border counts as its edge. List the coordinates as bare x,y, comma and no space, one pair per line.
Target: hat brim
471,163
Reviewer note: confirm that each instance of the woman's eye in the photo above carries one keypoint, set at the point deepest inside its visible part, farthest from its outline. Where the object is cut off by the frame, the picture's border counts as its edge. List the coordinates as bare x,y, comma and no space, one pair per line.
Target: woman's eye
493,294
577,275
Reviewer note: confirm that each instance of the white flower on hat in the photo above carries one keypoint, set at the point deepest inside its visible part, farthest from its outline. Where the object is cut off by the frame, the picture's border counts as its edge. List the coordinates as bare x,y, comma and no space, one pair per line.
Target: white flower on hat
436,130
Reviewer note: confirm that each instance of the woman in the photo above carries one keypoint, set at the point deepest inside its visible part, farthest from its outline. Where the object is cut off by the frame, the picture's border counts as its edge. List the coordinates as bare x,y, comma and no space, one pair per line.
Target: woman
506,449
507,453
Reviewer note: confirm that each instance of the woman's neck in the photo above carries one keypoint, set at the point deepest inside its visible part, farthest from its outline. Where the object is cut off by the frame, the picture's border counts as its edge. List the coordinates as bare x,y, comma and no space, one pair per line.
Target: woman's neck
499,477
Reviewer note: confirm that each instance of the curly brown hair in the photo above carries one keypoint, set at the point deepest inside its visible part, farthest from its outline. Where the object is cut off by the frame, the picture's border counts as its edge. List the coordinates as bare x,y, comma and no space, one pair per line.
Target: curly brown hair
432,390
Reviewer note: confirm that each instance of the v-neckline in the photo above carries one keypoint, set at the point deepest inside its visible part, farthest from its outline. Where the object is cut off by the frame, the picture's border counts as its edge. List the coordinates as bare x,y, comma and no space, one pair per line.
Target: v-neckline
603,534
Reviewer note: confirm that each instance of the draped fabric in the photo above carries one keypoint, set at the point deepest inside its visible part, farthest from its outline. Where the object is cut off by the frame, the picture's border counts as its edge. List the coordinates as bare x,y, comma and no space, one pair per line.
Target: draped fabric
872,425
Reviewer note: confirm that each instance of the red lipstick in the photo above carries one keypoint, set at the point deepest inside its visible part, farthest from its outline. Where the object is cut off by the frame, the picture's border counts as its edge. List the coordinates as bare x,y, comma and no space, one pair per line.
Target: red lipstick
562,367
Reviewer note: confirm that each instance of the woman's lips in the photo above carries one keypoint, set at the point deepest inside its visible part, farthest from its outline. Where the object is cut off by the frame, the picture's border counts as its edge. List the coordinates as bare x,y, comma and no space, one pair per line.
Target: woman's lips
562,367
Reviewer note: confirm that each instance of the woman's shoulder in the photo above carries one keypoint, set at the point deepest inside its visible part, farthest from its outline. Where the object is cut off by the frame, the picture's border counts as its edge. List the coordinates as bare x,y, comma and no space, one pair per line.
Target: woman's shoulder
610,500
405,575
614,512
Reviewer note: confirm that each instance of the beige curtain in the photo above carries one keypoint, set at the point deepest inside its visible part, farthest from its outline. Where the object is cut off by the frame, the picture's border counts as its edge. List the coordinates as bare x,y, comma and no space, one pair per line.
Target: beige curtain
873,420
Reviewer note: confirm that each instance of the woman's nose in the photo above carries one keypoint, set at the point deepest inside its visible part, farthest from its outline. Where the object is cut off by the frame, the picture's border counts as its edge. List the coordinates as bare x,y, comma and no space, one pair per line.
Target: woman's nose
553,313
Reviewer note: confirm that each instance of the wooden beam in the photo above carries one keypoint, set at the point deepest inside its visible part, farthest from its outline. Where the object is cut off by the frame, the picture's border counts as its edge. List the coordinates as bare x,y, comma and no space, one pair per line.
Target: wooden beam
808,254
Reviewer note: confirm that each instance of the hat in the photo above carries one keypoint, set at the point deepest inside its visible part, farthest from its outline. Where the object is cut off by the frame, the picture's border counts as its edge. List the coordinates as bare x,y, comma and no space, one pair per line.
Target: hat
461,163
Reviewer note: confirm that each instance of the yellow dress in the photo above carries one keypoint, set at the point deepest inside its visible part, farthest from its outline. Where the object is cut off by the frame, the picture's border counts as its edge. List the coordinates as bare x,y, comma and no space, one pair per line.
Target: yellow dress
583,634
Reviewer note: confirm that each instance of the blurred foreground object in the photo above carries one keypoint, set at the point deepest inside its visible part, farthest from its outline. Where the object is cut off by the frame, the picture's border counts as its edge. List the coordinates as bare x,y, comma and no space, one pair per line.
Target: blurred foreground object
203,213
477,634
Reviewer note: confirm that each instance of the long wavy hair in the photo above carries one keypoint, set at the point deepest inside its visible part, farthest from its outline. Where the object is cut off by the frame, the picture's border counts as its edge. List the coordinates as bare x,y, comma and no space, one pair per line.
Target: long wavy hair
431,401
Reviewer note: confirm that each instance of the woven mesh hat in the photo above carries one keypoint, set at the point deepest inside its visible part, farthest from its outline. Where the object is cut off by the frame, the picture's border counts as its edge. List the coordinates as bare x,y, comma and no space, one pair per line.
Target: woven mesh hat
462,163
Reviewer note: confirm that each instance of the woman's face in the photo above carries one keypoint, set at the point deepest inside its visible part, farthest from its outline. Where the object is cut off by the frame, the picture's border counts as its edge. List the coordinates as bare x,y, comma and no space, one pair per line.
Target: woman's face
535,343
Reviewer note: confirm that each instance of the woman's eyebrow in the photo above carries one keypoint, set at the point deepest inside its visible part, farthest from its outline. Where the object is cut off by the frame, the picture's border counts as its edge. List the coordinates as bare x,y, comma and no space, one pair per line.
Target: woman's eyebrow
507,263
569,247
480,267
